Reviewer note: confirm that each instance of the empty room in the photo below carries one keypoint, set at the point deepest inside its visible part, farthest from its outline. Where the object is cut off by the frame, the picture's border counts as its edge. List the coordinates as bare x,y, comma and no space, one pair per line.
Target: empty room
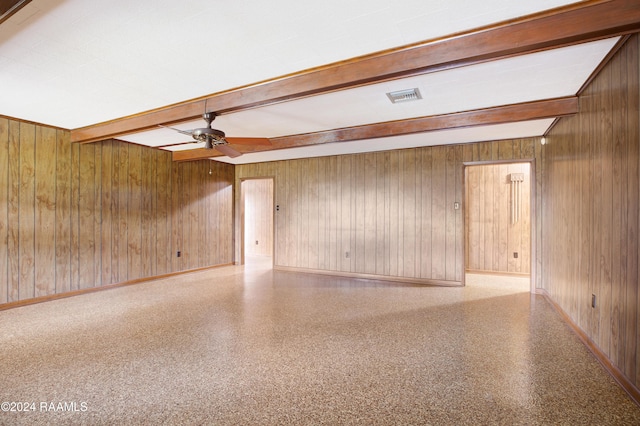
361,212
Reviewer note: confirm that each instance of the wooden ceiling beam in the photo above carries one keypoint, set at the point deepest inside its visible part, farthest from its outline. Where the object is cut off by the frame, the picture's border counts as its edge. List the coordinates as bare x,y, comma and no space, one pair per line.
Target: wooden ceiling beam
580,22
9,7
551,108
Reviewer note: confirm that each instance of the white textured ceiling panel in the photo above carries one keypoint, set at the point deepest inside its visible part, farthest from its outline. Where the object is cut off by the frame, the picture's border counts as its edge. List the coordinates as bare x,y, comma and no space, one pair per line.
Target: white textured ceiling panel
543,75
72,63
523,129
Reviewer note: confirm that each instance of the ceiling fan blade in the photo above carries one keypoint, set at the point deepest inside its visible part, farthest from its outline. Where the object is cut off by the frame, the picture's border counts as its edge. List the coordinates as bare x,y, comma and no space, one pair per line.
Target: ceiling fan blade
249,141
228,151
184,132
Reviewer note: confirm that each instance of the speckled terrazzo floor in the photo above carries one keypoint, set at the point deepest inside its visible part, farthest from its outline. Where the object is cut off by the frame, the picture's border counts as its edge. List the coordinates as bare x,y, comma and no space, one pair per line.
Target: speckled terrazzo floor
230,346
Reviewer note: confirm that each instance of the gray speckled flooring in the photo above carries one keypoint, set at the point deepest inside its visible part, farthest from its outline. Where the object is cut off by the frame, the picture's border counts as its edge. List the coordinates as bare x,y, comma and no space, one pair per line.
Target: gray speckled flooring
230,346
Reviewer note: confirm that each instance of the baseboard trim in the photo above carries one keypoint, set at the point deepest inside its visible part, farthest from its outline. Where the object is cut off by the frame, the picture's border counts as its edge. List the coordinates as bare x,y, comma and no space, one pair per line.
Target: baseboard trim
618,376
48,298
418,281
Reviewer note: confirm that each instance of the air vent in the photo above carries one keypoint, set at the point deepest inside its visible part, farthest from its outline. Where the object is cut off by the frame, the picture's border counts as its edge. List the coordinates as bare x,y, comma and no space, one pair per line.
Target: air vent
404,95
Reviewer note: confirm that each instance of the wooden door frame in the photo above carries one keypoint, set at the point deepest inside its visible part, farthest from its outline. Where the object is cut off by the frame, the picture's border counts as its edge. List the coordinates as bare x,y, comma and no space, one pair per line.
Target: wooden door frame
273,217
532,213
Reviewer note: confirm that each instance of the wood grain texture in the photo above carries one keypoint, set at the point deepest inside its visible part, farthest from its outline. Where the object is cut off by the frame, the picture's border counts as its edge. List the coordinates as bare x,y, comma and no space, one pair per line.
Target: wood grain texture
4,209
105,200
377,214
495,115
13,198
26,226
86,217
76,217
491,238
591,217
45,211
572,24
63,213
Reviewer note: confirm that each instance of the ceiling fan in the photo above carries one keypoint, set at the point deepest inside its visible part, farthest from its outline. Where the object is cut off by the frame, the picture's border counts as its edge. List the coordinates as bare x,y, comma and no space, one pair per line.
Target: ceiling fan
216,139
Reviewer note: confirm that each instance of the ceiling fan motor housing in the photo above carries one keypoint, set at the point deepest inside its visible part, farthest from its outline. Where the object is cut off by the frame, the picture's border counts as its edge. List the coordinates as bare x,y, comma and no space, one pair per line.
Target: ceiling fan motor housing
210,136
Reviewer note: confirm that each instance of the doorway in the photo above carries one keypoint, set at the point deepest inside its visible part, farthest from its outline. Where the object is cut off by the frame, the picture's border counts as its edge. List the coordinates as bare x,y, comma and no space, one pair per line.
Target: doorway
498,224
257,199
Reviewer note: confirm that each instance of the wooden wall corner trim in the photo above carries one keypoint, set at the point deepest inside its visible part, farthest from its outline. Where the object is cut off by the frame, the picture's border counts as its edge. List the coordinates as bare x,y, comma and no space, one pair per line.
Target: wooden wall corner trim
618,376
42,299
373,277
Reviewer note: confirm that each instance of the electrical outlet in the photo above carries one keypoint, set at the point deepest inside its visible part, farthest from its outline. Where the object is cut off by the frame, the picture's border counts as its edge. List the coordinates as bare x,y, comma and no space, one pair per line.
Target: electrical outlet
515,254
178,253
346,254
256,242
593,300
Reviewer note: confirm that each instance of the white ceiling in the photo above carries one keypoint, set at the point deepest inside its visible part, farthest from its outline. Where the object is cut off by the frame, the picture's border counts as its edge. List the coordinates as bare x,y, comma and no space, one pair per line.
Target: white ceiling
73,63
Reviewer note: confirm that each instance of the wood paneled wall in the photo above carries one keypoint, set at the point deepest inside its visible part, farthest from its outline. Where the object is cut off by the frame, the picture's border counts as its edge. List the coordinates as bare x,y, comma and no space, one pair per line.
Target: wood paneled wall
491,238
392,212
591,212
258,217
80,216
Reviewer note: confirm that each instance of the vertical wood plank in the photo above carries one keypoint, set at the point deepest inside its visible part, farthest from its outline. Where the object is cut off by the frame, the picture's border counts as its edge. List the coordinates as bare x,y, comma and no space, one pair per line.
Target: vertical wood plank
345,212
63,212
472,212
27,211
606,201
115,211
489,207
458,214
13,230
505,150
134,213
485,152
303,213
358,214
322,208
438,213
313,219
427,208
334,248
192,231
525,218
450,214
281,196
382,231
370,201
176,215
394,213
409,213
505,245
86,216
45,213
106,218
97,215
619,210
163,225
147,244
4,210
528,148
123,212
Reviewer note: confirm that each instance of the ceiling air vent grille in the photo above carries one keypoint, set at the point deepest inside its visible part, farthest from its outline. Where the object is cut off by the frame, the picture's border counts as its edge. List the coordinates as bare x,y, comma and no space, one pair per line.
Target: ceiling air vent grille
404,95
